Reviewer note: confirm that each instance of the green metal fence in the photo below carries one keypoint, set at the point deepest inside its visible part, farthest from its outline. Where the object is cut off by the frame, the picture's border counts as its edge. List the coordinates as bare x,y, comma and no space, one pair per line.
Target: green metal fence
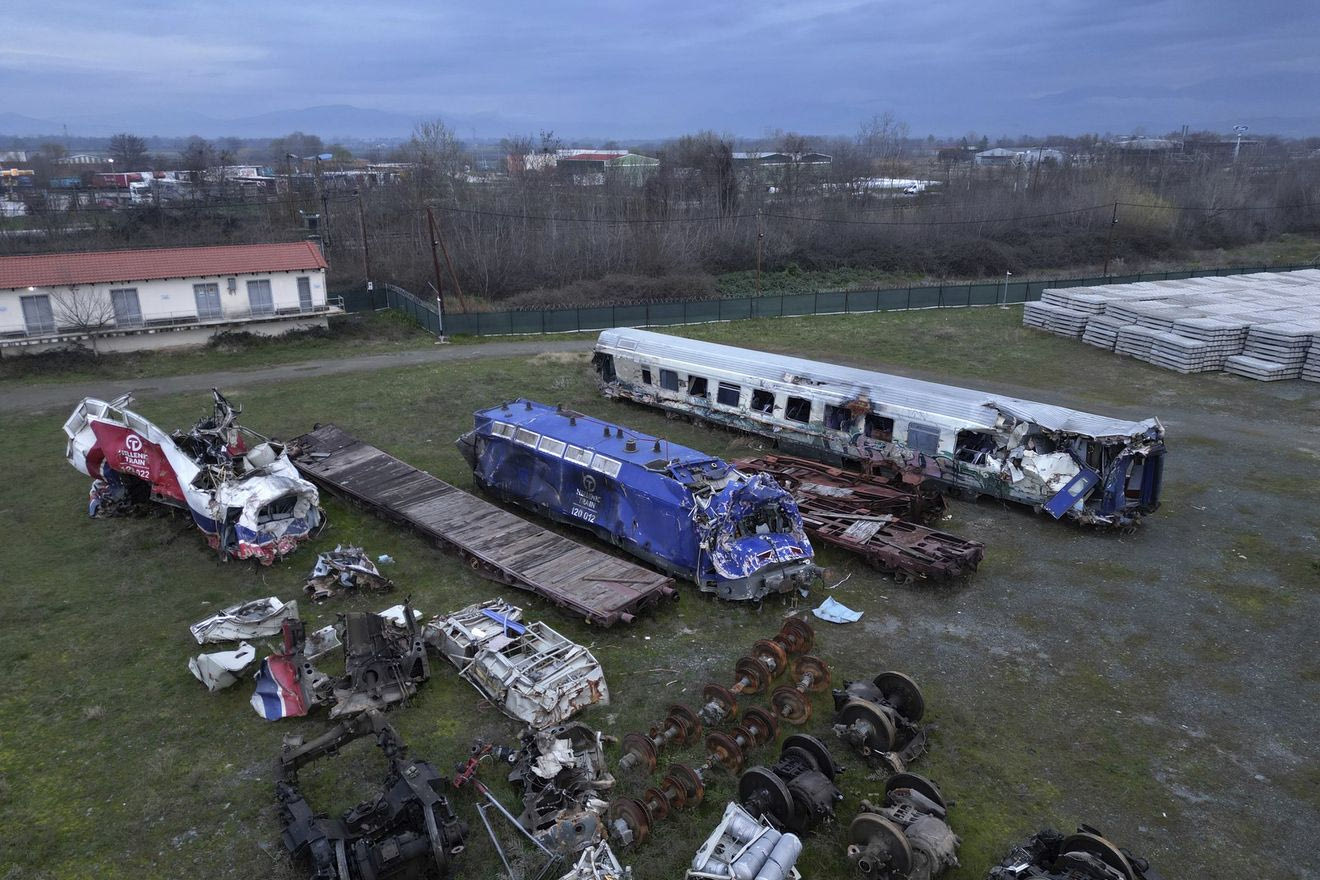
985,293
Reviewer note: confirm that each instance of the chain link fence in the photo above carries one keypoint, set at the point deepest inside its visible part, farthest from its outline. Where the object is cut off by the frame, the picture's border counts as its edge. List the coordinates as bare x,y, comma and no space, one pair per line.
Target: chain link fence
779,305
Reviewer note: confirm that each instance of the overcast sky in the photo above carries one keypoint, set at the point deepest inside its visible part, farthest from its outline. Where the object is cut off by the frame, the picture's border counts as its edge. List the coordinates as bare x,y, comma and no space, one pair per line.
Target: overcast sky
660,68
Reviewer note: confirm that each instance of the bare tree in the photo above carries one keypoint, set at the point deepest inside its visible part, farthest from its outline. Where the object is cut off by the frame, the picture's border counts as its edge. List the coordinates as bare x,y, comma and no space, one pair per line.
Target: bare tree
880,140
84,310
439,154
129,151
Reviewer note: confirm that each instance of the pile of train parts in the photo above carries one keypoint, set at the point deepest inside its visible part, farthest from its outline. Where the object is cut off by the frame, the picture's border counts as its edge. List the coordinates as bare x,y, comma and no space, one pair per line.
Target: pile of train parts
1084,855
907,837
408,830
797,792
880,719
879,516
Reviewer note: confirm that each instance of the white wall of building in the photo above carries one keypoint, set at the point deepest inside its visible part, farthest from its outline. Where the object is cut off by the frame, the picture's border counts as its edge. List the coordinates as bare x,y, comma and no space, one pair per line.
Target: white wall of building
173,300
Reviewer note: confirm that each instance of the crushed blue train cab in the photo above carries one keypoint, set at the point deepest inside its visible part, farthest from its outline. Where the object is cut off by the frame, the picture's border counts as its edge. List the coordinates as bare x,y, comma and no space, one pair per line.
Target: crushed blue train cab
694,516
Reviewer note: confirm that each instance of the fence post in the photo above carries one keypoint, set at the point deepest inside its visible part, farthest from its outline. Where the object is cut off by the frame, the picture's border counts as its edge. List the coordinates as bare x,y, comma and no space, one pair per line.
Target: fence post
648,314
909,298
685,320
781,304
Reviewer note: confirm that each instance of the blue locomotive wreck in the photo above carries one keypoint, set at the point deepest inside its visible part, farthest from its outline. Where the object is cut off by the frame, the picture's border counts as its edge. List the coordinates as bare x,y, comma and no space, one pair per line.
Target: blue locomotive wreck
694,516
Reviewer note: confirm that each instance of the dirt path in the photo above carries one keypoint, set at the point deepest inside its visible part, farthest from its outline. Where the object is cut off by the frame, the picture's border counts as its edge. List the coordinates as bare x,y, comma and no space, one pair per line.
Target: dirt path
43,397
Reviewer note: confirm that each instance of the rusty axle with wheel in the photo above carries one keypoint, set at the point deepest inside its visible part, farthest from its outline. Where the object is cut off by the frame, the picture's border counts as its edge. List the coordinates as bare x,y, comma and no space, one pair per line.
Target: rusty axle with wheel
643,748
790,701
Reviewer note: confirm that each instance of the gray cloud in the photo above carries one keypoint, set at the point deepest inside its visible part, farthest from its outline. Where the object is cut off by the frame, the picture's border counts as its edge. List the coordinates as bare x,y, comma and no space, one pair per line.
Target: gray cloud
622,69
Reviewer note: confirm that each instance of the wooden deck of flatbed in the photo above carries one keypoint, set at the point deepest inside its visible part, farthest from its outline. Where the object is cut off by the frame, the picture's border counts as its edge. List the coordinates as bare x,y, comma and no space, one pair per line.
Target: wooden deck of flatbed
603,588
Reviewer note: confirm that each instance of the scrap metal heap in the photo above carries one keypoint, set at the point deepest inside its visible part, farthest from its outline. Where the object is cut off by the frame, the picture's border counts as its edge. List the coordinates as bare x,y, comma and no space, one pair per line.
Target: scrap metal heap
342,570
384,663
1084,855
797,792
905,838
561,775
743,847
879,719
528,670
880,517
408,830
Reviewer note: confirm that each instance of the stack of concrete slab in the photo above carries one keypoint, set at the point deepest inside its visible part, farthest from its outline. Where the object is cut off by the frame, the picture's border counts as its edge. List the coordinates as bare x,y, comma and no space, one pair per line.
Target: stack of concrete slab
1135,340
1183,355
1059,321
1255,368
1311,369
1102,331
1262,325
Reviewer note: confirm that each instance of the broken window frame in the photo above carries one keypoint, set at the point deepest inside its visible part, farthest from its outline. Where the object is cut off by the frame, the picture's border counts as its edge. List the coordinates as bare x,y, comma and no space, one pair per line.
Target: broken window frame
668,379
923,438
646,376
699,386
763,401
725,389
794,412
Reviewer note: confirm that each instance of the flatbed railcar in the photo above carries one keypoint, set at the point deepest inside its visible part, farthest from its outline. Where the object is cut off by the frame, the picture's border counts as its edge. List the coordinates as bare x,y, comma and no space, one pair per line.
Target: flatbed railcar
694,516
1076,465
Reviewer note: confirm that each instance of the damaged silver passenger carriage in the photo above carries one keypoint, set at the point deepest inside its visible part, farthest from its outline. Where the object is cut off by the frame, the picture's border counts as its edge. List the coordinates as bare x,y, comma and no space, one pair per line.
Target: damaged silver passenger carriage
1088,468
239,487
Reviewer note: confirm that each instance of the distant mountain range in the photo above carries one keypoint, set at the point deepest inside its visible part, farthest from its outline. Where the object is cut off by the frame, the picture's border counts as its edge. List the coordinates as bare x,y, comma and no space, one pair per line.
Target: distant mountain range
331,122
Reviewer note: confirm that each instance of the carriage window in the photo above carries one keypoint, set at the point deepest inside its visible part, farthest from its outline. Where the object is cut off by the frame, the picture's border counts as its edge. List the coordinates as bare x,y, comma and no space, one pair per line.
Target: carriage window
729,394
924,438
838,418
697,386
763,401
669,380
879,427
798,409
646,375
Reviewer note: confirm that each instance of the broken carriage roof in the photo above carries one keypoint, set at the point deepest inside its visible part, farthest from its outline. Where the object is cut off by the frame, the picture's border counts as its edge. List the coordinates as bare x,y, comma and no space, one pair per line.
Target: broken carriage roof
602,438
964,405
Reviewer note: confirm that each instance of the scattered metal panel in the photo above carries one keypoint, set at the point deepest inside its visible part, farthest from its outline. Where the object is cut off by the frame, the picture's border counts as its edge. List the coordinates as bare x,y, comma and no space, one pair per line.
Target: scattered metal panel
599,863
246,620
220,669
1083,855
859,513
344,569
1072,492
506,548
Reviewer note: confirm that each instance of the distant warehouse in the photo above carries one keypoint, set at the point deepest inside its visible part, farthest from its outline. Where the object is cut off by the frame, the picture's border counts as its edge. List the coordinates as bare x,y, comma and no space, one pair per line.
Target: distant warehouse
160,298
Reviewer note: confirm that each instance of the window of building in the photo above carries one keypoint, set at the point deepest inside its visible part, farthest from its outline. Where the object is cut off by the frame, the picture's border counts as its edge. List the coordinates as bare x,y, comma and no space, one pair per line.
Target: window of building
729,394
305,293
260,300
798,409
923,438
697,386
37,314
646,375
128,312
668,380
763,401
208,301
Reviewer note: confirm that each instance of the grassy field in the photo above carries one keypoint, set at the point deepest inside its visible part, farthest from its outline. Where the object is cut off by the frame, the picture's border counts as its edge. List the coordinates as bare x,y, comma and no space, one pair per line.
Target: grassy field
1161,687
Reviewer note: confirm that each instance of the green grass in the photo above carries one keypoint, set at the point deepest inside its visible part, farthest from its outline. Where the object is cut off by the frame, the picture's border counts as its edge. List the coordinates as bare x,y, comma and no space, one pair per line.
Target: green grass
350,335
114,762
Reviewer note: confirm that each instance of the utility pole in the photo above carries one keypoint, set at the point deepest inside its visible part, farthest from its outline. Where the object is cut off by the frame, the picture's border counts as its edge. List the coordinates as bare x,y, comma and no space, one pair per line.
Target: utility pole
366,254
435,263
760,236
453,276
1109,239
